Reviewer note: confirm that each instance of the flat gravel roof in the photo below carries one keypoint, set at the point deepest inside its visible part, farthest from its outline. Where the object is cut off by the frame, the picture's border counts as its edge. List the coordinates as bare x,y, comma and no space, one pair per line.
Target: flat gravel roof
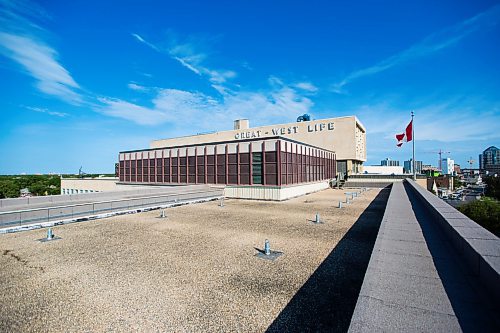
194,271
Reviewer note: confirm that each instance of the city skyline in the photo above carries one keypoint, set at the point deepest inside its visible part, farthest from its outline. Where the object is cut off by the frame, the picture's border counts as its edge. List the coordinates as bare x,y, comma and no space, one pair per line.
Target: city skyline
85,80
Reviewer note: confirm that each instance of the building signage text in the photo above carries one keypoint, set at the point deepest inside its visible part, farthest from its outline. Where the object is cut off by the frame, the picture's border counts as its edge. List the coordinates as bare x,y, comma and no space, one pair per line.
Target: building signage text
283,131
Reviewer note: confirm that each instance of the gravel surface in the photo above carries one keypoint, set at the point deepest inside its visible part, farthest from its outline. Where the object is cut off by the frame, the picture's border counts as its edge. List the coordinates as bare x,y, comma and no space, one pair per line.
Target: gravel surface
194,271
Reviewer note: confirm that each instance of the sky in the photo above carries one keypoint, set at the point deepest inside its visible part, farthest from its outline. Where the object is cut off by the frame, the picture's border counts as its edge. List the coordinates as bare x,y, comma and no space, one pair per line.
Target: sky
82,80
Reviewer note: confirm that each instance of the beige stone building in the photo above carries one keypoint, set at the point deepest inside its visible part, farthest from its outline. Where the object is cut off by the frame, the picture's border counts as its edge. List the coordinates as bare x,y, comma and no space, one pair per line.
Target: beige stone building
346,136
89,185
274,162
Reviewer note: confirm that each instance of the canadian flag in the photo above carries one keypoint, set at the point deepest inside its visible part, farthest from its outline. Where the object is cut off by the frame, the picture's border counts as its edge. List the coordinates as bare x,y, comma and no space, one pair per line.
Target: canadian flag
407,136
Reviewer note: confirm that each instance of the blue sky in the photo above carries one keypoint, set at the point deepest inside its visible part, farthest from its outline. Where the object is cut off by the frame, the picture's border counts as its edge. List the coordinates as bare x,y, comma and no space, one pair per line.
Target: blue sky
82,80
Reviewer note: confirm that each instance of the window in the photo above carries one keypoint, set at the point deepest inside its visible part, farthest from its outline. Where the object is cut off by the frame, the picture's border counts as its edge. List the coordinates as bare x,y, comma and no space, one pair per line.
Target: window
257,168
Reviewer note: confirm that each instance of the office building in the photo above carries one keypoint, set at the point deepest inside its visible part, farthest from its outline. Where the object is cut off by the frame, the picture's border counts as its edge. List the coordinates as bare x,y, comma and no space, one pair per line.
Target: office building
389,162
408,166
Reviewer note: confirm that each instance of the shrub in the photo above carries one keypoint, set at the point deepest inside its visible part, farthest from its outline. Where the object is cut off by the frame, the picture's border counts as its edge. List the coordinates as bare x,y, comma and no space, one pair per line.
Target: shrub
493,187
485,212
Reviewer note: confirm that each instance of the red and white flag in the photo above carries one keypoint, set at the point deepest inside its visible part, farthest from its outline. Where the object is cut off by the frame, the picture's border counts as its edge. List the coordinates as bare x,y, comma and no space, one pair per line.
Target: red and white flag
407,136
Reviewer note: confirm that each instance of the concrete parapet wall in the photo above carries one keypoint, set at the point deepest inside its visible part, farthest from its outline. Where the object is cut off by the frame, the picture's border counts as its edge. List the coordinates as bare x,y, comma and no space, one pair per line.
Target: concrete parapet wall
123,190
273,193
419,276
96,205
370,184
477,246
370,181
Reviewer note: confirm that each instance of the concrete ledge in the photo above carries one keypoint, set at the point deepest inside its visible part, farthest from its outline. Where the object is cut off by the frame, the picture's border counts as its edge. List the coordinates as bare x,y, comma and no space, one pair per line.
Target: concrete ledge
121,191
415,280
104,215
95,205
371,184
401,290
478,247
273,193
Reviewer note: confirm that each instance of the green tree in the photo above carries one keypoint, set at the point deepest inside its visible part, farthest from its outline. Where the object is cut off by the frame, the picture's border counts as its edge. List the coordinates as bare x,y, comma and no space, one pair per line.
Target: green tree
492,187
37,185
38,188
485,212
8,189
456,183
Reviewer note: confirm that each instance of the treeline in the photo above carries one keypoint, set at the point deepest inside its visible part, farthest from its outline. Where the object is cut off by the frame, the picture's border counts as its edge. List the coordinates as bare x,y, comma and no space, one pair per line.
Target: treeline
486,212
10,186
89,175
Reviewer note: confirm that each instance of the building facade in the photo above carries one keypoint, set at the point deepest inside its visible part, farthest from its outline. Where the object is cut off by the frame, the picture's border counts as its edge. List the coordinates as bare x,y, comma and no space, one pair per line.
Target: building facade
275,161
389,162
382,170
489,160
345,136
448,166
88,185
408,166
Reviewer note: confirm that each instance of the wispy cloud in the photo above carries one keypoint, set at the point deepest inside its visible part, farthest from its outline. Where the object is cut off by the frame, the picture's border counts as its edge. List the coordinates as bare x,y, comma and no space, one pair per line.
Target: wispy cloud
278,103
429,45
137,87
142,40
470,125
47,111
306,86
122,109
189,56
19,42
475,119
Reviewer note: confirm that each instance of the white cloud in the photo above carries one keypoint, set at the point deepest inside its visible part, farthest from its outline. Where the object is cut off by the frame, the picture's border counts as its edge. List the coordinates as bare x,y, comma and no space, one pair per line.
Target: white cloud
306,86
190,57
137,87
201,111
38,59
429,45
142,40
463,126
468,120
47,111
129,111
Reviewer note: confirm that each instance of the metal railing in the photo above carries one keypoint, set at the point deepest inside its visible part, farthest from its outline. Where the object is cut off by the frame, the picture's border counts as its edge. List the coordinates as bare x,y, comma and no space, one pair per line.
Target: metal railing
80,210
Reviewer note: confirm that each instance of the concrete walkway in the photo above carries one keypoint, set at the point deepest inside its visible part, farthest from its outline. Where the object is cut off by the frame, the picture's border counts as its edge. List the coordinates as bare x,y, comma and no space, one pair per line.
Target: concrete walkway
70,208
414,283
7,205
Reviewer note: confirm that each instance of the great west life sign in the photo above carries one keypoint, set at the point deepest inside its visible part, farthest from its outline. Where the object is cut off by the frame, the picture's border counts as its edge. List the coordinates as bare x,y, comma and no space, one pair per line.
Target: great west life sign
288,130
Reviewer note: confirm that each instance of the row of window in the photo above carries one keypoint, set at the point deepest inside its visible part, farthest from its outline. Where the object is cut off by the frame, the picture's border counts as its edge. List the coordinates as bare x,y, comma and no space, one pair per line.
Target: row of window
213,169
75,191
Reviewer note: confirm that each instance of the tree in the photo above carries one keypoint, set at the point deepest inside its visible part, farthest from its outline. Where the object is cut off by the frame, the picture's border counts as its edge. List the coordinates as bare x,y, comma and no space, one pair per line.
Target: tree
456,183
485,212
492,187
8,189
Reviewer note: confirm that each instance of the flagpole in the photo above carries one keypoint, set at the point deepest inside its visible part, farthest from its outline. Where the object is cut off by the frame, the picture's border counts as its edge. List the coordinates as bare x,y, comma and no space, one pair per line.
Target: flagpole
413,139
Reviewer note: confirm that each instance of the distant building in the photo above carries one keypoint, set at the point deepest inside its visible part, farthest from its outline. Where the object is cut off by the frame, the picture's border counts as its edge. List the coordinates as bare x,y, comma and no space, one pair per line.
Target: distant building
448,166
457,169
24,192
443,184
489,160
79,185
429,167
382,170
408,166
389,162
